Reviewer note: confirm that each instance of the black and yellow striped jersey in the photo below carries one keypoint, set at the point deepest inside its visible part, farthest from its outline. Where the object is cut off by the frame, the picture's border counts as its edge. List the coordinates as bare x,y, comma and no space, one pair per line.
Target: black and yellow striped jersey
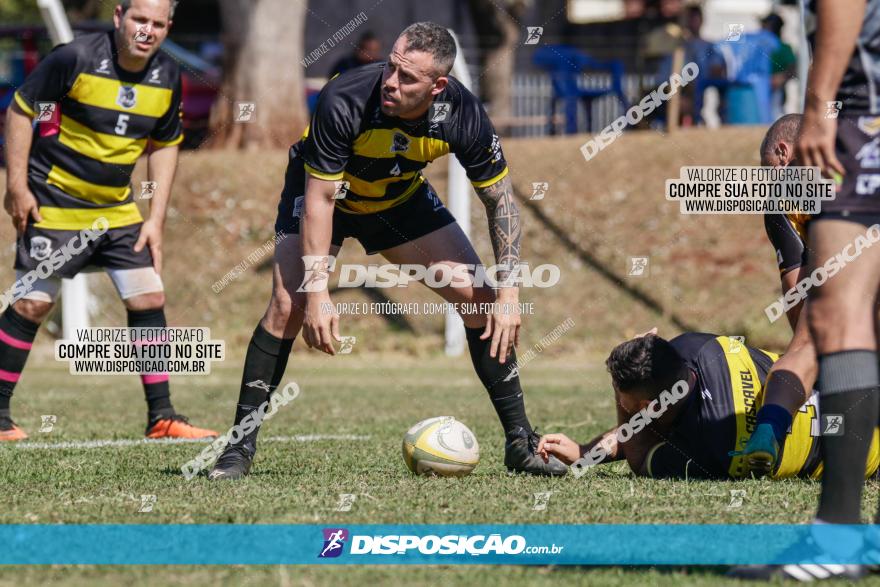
788,235
381,157
721,414
80,167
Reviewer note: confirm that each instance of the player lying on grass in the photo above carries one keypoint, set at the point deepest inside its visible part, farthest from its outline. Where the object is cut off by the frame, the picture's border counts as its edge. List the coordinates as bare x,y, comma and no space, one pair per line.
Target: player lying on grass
696,435
374,129
105,98
795,373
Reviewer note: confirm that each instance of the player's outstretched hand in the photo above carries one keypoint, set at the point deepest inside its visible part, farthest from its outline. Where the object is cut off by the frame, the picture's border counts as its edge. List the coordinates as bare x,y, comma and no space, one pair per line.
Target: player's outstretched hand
561,446
321,324
151,236
503,324
21,206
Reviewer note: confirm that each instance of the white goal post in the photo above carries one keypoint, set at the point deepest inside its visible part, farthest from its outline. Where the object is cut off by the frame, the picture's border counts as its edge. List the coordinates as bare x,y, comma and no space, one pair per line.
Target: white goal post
460,193
74,292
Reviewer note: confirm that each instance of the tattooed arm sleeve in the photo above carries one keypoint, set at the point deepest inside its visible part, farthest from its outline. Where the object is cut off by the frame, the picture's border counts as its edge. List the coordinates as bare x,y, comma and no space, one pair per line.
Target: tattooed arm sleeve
504,225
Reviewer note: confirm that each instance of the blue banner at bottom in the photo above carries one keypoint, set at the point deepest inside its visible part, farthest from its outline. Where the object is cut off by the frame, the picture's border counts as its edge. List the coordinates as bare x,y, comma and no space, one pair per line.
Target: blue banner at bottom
605,544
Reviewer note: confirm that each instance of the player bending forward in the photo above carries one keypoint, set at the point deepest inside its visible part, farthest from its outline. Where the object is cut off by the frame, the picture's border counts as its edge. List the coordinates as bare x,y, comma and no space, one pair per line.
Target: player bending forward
375,128
793,376
105,97
696,435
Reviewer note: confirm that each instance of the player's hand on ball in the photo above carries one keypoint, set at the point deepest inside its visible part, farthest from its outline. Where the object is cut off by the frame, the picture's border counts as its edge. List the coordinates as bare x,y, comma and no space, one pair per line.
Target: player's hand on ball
561,446
151,236
21,205
321,323
503,324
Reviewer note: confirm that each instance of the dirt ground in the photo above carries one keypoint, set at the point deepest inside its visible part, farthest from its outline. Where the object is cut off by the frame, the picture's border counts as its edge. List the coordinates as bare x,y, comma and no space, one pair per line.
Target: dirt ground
709,273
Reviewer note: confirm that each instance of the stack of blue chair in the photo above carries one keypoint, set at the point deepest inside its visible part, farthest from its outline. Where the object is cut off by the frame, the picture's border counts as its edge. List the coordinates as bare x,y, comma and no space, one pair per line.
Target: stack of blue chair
566,65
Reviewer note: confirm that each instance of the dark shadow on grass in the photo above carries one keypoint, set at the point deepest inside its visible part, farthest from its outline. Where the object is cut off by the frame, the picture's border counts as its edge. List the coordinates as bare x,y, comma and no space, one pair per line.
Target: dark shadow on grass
175,472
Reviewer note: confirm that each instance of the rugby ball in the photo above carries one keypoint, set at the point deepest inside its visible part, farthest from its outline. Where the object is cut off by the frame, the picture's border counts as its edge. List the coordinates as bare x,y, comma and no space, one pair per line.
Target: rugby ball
441,446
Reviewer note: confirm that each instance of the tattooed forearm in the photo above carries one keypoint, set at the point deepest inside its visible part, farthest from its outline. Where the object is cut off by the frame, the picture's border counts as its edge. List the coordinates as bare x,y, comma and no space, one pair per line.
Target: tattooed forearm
504,225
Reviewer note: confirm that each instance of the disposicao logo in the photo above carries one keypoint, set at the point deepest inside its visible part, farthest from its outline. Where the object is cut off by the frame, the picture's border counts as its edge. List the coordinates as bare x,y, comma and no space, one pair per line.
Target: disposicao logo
334,540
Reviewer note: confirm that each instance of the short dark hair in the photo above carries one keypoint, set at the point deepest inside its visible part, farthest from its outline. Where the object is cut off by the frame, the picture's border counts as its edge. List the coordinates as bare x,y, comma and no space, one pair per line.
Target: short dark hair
366,38
434,39
786,129
126,4
694,9
648,364
774,23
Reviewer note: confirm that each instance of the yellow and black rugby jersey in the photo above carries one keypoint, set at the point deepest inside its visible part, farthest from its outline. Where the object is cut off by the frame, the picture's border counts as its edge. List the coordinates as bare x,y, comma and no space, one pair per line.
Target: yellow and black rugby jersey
721,414
382,157
787,234
80,169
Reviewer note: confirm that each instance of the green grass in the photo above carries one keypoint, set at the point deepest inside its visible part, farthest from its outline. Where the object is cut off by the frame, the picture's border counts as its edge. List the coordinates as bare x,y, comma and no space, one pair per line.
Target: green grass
299,482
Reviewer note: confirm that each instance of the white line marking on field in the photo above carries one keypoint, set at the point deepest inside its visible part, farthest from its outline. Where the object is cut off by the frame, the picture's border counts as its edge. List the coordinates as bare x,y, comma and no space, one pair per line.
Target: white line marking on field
148,441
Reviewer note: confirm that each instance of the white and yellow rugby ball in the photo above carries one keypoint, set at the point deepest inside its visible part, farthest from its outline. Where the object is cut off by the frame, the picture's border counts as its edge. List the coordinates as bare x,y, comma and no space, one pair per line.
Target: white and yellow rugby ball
441,446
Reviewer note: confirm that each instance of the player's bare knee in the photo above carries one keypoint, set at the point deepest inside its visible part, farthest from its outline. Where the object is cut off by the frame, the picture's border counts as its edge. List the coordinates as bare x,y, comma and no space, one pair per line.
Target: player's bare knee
147,301
468,295
284,308
33,310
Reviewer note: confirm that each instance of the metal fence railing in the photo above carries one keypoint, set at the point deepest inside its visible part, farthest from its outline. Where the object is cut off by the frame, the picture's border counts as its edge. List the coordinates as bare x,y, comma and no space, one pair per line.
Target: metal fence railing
533,92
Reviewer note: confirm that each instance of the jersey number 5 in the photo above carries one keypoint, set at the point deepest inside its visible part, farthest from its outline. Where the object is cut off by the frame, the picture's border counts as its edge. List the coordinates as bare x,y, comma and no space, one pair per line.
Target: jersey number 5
122,124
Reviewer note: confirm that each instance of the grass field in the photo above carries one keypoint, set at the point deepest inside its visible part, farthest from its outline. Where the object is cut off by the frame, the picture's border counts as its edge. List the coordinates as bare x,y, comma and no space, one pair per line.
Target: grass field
293,481
713,273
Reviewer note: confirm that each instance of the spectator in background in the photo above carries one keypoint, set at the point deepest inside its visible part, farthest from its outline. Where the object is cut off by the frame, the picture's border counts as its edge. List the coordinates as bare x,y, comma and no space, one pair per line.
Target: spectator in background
368,50
783,62
699,51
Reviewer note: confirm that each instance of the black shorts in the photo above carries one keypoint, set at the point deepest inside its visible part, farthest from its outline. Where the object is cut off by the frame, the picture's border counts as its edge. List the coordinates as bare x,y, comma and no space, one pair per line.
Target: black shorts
112,250
858,150
421,214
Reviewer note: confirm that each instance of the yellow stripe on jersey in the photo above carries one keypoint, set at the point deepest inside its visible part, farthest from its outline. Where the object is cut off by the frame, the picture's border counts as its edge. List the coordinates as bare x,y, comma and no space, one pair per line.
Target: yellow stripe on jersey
377,143
22,103
376,189
79,218
321,175
90,192
100,146
799,442
373,206
747,395
163,144
492,181
102,92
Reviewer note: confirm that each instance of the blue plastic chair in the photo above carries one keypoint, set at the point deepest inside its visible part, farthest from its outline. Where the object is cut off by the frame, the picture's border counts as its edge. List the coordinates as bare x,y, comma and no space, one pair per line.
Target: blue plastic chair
566,65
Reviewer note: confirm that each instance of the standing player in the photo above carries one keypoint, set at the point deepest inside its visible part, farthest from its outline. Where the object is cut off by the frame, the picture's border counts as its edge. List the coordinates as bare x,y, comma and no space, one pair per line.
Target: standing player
374,129
107,97
793,376
842,311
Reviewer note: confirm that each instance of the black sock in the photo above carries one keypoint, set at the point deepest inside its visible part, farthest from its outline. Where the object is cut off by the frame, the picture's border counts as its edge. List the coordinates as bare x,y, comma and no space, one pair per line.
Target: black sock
17,335
263,369
849,382
156,388
501,381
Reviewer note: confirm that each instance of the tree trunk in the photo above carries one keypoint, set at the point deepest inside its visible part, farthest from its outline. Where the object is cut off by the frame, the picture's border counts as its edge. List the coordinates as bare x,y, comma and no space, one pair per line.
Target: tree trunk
497,25
263,40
